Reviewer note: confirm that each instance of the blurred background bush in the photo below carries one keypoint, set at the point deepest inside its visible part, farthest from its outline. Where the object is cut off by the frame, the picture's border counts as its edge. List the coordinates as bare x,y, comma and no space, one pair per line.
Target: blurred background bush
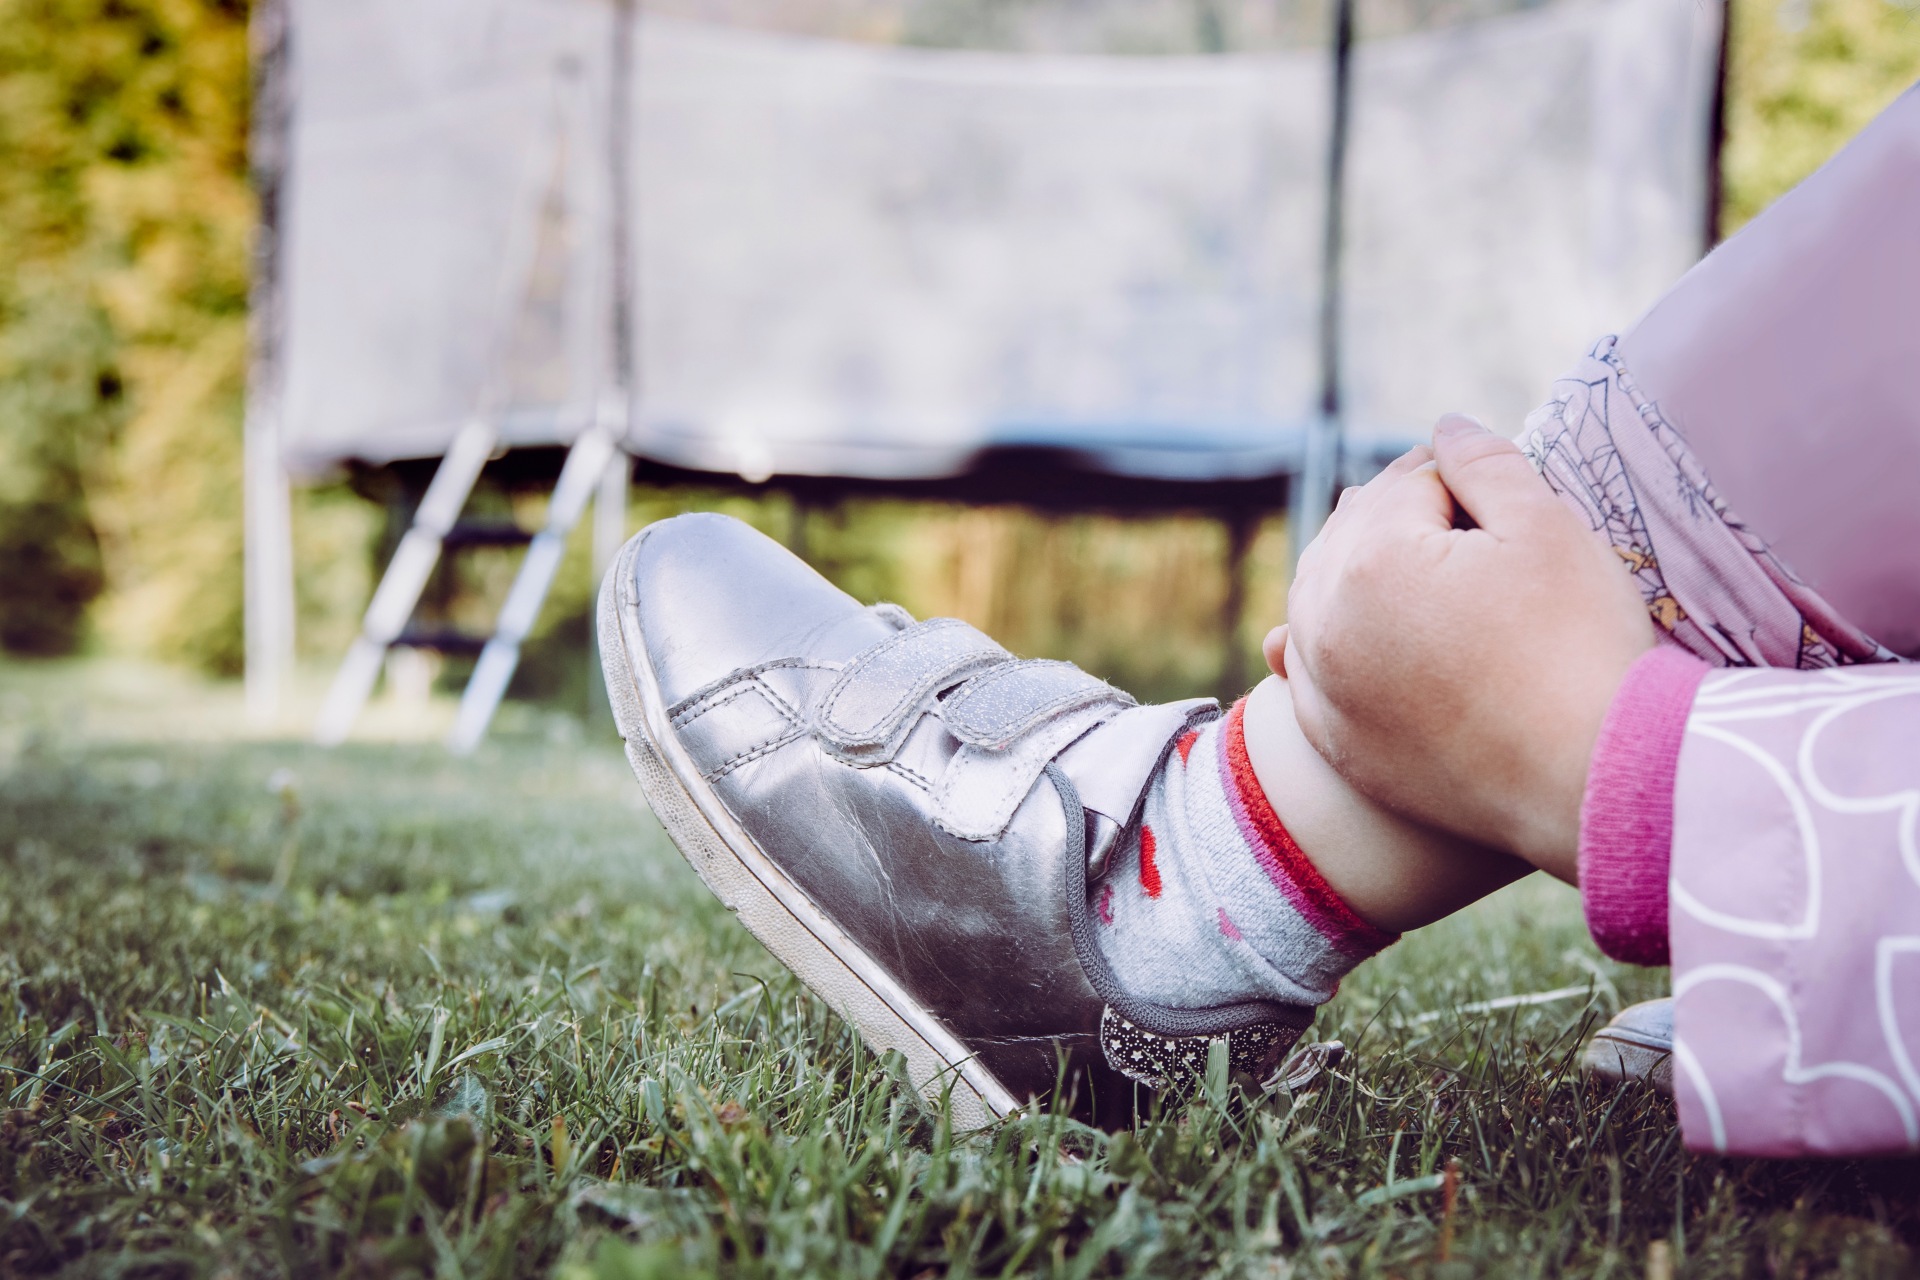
125,219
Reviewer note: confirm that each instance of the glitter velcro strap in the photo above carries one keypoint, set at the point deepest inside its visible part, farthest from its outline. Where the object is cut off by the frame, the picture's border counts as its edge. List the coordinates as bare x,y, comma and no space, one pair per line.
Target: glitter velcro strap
873,704
998,707
982,787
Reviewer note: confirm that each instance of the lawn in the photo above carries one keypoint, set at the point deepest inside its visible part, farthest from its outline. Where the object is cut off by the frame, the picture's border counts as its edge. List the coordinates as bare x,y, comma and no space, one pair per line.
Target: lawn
266,1009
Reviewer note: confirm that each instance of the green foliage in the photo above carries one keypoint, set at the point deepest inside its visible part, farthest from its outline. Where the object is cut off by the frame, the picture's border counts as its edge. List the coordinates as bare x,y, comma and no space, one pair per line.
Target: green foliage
59,399
124,220
1804,76
266,1009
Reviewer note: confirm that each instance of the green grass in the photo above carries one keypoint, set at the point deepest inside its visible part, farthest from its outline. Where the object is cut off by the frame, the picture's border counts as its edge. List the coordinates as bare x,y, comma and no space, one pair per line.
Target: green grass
271,1010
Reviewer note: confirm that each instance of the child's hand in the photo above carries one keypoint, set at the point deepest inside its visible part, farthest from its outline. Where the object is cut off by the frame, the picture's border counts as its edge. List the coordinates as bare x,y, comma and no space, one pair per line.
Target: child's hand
1456,635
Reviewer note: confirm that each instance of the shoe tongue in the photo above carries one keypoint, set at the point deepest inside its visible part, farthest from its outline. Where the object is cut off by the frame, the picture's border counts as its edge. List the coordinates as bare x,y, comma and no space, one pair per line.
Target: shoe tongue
1111,766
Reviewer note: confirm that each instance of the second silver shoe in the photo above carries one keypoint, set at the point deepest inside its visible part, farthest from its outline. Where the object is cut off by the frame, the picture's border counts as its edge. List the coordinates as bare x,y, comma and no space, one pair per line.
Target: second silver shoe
1636,1045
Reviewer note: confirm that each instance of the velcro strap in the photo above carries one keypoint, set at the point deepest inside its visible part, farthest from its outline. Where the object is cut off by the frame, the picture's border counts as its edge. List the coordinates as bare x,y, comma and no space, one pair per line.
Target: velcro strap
872,705
1001,706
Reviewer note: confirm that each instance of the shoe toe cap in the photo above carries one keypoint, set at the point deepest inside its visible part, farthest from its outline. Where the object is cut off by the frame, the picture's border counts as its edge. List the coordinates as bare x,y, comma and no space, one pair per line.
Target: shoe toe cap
713,595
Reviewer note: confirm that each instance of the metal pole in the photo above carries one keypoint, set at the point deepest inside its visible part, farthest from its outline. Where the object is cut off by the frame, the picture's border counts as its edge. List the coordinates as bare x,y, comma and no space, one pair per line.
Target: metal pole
1717,130
610,513
620,203
1312,494
1242,525
268,552
268,532
610,506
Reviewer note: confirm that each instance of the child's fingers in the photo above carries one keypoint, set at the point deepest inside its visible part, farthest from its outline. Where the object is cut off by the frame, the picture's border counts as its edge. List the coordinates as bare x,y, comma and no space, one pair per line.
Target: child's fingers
1354,499
1417,506
1384,526
1417,456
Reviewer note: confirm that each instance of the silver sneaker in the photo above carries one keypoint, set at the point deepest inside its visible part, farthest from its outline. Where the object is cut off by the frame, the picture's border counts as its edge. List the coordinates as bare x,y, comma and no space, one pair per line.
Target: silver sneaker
1636,1045
908,817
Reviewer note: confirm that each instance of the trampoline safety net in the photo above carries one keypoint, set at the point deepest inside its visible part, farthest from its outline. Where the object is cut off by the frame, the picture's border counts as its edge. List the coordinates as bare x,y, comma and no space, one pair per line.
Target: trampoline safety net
878,261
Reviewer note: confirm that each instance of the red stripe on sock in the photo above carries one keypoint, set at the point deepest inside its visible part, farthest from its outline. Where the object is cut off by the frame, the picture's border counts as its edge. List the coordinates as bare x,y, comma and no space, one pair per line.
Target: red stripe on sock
1185,745
1291,871
1149,870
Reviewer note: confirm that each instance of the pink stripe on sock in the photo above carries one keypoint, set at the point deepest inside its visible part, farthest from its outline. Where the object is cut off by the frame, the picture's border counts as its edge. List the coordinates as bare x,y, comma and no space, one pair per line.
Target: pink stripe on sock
1228,929
1105,905
1297,879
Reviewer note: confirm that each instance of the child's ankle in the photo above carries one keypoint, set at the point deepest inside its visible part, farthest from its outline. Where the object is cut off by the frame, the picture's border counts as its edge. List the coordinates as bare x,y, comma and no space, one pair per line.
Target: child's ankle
1395,874
1209,901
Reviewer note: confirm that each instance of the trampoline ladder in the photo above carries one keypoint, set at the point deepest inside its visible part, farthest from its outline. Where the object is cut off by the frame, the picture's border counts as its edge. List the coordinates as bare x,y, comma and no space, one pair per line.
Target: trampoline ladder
588,466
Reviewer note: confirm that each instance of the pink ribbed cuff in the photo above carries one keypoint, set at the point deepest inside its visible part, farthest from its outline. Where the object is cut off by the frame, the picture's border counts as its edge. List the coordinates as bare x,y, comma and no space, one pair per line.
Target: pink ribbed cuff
1626,816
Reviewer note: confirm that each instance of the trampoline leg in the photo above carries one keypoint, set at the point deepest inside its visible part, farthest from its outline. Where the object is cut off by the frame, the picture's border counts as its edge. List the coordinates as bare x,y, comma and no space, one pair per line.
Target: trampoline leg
610,513
609,532
1242,526
1312,496
268,565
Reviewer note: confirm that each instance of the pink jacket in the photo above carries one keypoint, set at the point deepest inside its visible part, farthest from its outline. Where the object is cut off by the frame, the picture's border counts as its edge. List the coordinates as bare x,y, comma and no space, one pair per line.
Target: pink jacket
1753,805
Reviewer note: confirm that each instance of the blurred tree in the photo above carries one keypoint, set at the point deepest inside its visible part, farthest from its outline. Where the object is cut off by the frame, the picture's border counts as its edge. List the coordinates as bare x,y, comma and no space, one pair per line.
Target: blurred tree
124,217
59,398
1804,76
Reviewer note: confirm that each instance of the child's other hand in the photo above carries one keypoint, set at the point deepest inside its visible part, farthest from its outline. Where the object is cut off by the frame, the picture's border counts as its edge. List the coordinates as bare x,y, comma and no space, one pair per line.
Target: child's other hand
1457,669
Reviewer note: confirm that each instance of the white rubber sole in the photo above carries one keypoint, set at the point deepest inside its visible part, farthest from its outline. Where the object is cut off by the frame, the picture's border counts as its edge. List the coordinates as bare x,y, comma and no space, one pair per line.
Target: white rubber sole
753,886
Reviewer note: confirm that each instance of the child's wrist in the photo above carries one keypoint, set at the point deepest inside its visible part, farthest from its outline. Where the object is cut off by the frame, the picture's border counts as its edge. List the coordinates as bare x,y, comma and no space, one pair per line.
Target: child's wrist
1544,803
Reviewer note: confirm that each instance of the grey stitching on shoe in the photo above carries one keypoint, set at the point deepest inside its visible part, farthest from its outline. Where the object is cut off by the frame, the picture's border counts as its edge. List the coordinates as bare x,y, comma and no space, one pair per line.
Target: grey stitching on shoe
911,774
723,729
731,694
754,753
714,688
1161,1020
